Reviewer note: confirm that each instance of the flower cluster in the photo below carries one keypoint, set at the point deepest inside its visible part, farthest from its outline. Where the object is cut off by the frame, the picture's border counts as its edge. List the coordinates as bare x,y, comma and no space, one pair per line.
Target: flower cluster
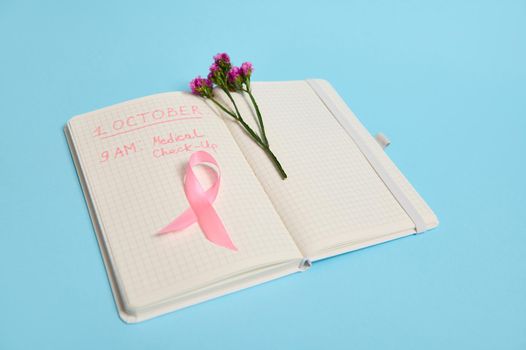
223,75
231,79
202,87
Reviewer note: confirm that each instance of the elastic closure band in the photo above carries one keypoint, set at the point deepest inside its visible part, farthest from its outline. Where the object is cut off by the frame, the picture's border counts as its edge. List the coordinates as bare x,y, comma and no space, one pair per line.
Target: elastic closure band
382,140
343,118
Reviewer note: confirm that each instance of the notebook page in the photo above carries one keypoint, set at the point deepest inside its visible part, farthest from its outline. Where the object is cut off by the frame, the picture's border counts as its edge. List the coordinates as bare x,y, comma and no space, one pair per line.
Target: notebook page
134,175
428,216
332,195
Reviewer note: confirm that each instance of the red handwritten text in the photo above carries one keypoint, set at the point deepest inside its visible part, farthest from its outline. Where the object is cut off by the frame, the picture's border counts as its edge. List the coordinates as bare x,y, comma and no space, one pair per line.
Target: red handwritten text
174,138
124,125
183,148
118,152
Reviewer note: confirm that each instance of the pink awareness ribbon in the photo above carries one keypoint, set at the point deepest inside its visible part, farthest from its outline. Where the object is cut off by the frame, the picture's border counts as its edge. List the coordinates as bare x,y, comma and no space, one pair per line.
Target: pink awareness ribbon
201,209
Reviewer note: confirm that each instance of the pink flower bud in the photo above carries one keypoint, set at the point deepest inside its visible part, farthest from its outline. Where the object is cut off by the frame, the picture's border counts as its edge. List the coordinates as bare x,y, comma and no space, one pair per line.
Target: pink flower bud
234,75
222,58
201,86
246,69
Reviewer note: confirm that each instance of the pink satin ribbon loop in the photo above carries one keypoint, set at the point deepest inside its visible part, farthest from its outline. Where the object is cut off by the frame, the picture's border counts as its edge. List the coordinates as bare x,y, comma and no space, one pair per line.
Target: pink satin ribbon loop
201,209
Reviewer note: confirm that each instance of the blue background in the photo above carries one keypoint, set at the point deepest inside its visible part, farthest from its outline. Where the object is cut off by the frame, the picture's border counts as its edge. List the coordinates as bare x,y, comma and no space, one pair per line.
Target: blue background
445,80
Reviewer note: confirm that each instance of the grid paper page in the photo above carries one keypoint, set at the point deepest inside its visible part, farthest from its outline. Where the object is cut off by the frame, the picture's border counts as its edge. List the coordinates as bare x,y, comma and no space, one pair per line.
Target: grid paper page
401,181
134,177
332,195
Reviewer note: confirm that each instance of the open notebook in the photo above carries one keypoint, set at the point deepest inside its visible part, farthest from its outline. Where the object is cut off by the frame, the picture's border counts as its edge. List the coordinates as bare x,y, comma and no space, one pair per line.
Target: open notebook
342,192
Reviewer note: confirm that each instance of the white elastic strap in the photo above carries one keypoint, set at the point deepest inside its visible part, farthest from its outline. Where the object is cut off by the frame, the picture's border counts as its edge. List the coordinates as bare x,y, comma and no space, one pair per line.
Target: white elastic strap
343,119
382,140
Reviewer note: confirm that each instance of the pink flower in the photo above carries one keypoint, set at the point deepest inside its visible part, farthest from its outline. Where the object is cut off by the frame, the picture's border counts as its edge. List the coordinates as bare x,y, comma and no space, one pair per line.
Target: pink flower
214,68
234,79
246,69
222,58
220,67
234,74
201,86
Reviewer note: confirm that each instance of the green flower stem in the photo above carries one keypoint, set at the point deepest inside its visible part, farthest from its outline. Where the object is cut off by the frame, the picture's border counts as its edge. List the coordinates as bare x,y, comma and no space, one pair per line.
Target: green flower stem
222,83
254,137
224,109
258,113
252,133
263,140
233,102
276,162
247,128
240,119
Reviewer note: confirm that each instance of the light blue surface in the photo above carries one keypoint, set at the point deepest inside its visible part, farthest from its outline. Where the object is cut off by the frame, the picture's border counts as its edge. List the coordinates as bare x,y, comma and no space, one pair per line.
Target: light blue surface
445,80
